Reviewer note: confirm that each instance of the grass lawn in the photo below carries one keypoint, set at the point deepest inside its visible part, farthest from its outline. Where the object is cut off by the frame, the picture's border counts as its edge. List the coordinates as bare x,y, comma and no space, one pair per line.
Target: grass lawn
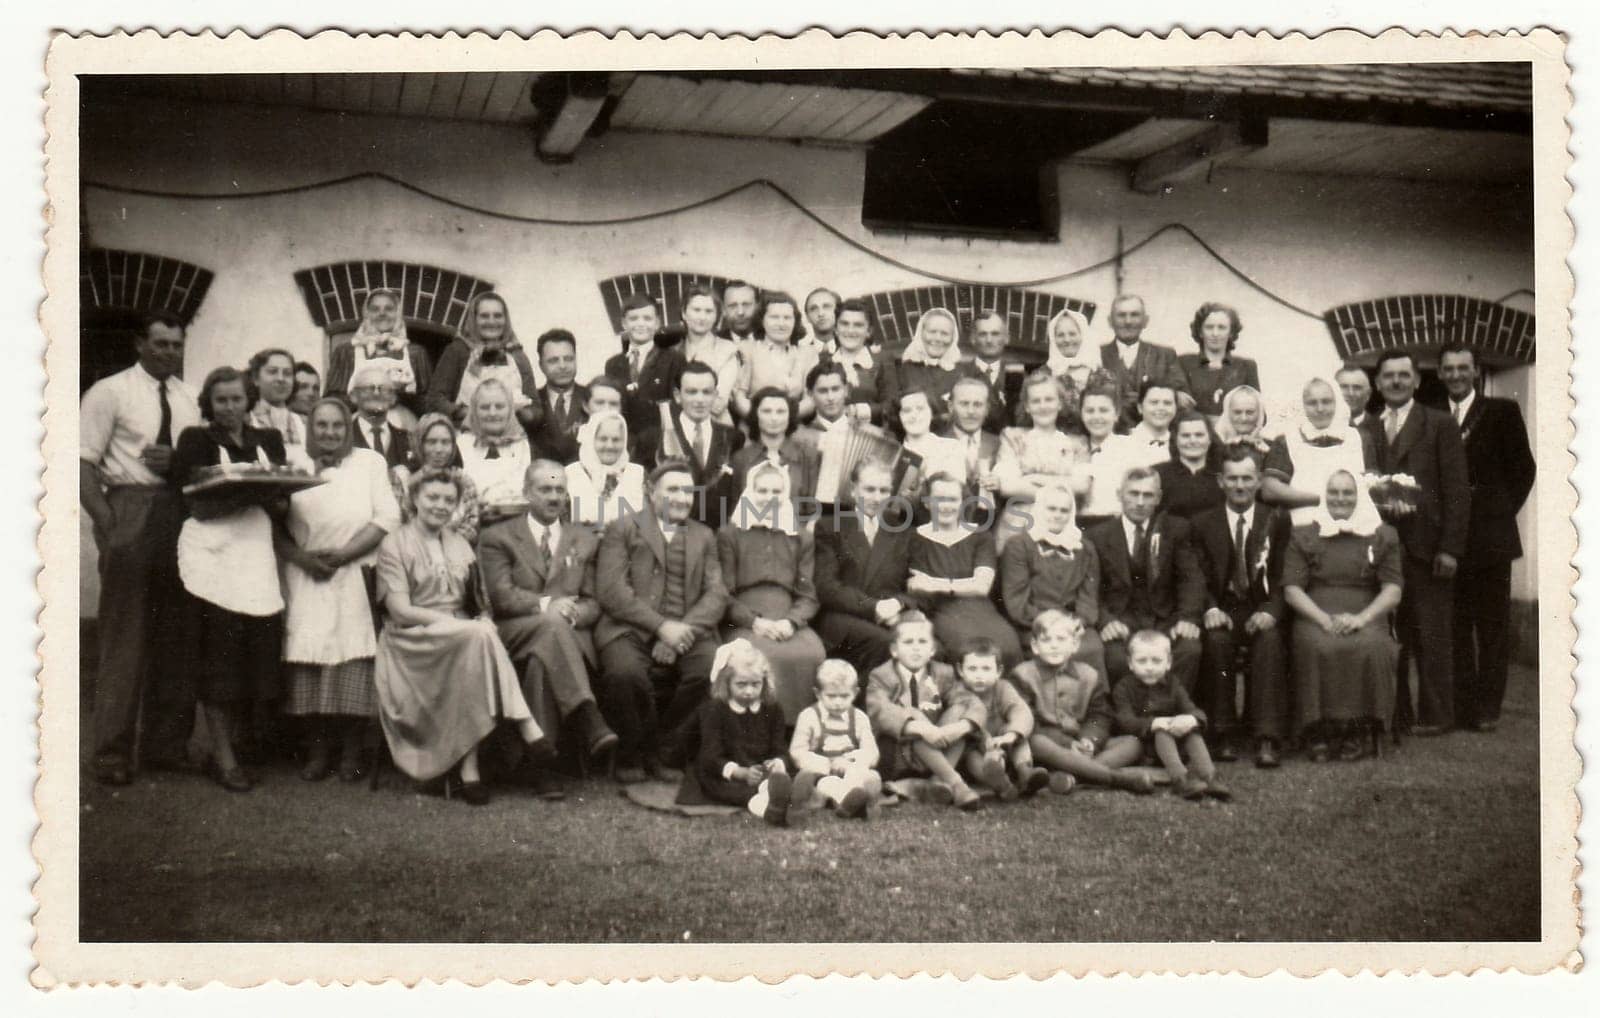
1438,841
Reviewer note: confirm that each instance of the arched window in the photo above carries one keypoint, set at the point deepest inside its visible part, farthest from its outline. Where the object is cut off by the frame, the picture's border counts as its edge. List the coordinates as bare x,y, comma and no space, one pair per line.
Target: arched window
1027,313
666,286
1500,336
433,300
118,288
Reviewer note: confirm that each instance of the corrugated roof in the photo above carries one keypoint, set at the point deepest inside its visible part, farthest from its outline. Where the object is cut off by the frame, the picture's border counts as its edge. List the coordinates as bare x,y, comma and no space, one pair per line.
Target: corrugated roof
1475,86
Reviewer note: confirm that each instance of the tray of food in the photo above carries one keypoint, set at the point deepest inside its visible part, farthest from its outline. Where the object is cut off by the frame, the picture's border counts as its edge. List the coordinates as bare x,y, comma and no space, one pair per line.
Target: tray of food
236,480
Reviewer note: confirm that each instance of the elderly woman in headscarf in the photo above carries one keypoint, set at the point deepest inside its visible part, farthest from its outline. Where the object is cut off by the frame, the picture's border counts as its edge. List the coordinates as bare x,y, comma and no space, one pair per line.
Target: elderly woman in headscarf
604,484
1075,361
485,347
930,363
381,337
333,531
495,452
768,566
1243,420
1302,459
433,447
1342,576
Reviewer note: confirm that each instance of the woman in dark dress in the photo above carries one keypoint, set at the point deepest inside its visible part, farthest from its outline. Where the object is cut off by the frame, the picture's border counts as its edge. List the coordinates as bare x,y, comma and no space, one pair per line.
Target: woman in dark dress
1189,479
1342,576
954,568
485,346
232,611
773,421
1214,371
382,336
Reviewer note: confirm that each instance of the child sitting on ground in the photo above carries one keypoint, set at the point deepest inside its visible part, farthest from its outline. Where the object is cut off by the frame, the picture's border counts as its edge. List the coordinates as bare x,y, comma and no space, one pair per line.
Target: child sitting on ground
833,749
740,761
1152,704
998,751
1072,715
921,715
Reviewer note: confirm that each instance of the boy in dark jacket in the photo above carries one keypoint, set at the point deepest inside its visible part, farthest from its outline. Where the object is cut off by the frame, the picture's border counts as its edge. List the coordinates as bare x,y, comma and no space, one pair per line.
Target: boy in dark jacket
997,754
1151,703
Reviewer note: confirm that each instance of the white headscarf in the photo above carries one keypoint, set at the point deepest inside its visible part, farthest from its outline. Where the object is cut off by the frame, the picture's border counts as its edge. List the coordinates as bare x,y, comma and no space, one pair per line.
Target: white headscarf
747,515
916,352
1225,433
589,458
1364,521
1079,365
1070,539
1339,428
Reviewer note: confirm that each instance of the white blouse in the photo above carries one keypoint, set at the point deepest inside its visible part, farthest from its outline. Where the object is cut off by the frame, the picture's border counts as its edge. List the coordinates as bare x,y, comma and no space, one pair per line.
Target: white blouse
500,479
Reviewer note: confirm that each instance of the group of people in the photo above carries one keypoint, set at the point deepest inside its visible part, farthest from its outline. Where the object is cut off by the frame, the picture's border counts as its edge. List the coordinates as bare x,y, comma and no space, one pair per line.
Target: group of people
766,557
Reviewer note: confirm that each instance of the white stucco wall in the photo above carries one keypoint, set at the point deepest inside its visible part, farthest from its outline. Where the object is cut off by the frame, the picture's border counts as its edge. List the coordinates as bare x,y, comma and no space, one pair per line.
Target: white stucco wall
1317,241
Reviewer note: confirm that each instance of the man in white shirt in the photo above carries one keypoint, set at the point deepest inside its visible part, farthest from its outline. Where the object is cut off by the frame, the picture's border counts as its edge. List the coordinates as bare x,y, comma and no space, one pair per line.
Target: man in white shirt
129,424
826,435
971,400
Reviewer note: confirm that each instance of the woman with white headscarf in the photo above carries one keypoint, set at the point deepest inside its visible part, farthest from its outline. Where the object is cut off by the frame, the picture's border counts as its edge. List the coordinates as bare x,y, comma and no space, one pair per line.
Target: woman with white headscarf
1243,419
930,362
381,336
1342,576
604,484
1302,459
768,564
1074,360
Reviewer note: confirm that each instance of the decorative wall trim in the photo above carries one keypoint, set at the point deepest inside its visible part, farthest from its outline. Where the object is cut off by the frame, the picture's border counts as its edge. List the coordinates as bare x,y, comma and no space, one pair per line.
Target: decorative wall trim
666,286
133,281
334,293
1027,312
1502,335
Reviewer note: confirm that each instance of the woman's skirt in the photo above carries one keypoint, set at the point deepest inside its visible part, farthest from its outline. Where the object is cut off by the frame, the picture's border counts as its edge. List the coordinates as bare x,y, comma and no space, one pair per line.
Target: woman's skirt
233,658
1343,678
795,660
346,689
441,689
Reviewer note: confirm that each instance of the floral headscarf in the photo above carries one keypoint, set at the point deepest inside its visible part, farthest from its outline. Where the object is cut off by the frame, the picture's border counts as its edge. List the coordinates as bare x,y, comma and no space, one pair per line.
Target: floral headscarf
375,343
916,352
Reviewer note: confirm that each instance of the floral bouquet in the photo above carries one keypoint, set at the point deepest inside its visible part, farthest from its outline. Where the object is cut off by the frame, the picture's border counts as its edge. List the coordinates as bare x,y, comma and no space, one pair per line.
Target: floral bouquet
1394,494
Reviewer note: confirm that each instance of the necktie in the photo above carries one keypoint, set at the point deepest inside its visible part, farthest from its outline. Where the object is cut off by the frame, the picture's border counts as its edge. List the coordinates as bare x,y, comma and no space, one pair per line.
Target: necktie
544,549
493,453
1241,575
377,440
164,432
1391,424
700,442
1142,548
972,456
638,363
1456,408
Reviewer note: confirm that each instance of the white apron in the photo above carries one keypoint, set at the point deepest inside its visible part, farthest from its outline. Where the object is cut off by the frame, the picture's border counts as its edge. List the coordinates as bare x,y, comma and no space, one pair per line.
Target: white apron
229,561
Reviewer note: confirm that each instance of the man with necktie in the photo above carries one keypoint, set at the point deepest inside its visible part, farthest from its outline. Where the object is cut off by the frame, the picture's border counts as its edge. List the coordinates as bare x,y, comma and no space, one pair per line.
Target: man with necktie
375,396
685,431
564,401
1356,388
1149,578
1004,376
1425,444
1240,545
128,423
1500,471
645,368
1133,362
971,401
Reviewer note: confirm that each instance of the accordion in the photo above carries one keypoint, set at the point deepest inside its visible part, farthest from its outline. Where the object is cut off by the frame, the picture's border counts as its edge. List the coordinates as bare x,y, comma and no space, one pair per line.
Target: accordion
841,451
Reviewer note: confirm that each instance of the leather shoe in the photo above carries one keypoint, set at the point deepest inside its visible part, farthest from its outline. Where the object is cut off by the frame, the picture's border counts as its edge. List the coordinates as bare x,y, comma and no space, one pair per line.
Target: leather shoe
1318,752
627,774
778,789
474,793
1485,726
1191,788
233,779
1226,752
1351,749
545,786
113,772
1217,790
1267,754
659,771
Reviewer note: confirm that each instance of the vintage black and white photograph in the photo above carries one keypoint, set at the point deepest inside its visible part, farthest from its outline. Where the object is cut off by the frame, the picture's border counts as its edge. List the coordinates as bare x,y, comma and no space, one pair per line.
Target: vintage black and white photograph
986,502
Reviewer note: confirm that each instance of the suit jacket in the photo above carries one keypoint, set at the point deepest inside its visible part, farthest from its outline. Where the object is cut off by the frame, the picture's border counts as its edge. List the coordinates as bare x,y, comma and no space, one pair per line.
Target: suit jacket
1213,541
868,387
517,578
1152,361
941,700
988,447
853,576
714,477
1137,704
631,579
1005,399
654,385
557,435
1177,585
1500,470
1428,448
399,451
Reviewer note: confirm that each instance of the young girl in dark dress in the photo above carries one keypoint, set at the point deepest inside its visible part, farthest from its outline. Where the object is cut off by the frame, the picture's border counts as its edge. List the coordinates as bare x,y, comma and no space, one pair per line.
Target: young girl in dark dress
741,758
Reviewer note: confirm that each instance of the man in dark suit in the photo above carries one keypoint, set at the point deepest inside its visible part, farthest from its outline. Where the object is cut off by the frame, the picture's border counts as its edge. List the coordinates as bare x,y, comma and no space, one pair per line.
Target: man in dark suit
1004,375
539,573
862,562
1133,362
739,300
647,367
684,431
1240,545
661,598
375,396
1356,388
970,403
1426,444
1500,471
1149,578
565,404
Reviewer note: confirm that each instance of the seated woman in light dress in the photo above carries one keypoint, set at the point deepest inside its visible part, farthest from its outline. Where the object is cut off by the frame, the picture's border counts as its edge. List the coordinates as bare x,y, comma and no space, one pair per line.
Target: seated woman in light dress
444,679
604,484
1035,455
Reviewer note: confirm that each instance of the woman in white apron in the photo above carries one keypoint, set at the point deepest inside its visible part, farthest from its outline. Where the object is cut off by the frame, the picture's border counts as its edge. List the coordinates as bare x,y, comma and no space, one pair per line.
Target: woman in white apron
1302,459
232,615
381,336
330,639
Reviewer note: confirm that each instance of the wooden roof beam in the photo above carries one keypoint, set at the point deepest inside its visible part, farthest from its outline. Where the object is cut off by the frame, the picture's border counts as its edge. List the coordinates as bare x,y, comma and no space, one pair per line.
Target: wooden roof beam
1193,156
